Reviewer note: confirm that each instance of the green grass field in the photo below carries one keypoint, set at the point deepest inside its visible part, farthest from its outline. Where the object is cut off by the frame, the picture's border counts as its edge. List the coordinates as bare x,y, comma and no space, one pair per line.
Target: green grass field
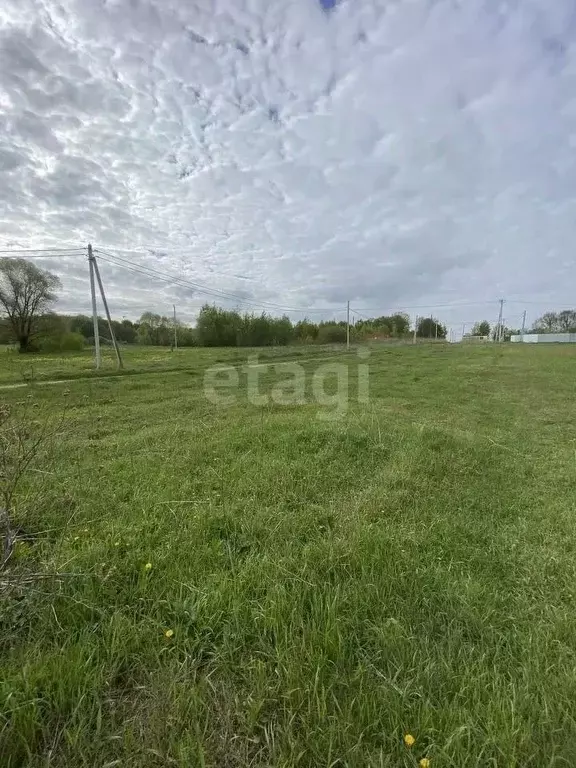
318,589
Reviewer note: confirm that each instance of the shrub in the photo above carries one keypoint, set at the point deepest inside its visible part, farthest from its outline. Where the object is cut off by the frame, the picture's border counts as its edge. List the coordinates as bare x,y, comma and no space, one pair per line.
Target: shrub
331,334
71,342
64,342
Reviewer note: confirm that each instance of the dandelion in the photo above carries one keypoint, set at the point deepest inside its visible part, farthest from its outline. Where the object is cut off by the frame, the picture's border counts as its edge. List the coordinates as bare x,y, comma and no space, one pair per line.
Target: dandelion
76,538
148,567
424,763
85,530
169,633
409,740
116,543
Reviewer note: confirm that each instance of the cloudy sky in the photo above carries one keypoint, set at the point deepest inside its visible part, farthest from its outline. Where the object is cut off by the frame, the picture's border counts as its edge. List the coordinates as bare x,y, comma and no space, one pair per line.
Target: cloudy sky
295,153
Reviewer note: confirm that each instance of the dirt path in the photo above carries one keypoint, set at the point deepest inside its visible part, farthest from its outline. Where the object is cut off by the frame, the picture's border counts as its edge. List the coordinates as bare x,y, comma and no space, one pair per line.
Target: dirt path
55,382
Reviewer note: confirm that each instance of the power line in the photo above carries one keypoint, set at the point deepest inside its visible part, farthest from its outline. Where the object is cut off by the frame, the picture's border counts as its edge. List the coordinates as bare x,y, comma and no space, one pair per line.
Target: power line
227,295
428,306
199,287
157,251
214,292
42,255
45,250
150,272
538,303
363,317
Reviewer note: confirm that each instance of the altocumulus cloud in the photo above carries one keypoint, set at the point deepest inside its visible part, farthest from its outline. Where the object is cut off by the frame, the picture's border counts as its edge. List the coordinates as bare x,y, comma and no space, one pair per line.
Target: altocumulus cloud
294,151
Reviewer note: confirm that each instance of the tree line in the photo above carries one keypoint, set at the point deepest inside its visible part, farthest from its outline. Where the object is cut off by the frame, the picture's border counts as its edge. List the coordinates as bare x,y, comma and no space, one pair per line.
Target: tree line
215,327
563,321
556,322
27,295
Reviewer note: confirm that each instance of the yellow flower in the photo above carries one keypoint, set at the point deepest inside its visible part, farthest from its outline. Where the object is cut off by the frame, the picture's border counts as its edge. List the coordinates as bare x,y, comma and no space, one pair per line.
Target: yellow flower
424,763
116,543
169,633
148,567
409,740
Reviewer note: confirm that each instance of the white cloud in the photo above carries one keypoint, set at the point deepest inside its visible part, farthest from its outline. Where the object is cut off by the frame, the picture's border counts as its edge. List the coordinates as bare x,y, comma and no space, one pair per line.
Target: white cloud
392,154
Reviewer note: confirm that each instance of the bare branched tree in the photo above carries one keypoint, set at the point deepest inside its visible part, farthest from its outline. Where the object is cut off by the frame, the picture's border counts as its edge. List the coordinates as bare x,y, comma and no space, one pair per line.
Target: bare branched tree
26,293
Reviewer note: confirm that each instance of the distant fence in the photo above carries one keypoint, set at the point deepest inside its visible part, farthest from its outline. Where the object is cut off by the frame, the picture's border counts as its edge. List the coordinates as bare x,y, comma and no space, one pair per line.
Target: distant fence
545,338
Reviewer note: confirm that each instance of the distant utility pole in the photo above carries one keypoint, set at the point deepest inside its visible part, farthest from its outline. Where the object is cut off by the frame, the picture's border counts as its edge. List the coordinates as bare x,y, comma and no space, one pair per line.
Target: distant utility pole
523,324
108,318
498,335
94,310
348,325
175,331
415,329
463,330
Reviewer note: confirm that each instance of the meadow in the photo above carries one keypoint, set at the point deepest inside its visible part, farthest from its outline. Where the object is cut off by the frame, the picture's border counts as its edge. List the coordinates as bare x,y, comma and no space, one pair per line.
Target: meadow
267,585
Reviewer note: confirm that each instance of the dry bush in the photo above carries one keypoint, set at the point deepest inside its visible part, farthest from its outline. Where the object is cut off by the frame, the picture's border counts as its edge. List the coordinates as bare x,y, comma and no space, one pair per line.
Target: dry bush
22,441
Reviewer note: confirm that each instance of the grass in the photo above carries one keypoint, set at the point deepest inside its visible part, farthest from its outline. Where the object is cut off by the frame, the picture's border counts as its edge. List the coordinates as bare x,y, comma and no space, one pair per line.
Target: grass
331,584
26,369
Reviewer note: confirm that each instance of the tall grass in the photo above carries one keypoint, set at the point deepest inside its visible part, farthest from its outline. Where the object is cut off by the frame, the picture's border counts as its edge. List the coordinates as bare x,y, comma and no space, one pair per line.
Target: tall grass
254,587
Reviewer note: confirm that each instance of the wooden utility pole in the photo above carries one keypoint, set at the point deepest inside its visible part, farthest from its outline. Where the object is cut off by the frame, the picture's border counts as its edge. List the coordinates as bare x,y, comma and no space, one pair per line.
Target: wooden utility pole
110,327
91,261
523,325
499,326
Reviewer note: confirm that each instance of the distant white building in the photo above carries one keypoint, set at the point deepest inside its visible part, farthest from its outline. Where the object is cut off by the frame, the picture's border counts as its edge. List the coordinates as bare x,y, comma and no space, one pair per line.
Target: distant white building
545,338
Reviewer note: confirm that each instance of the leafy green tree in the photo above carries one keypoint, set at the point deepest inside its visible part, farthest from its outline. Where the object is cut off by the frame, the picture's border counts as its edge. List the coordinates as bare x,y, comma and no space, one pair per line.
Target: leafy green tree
396,326
331,333
253,331
398,323
430,328
187,336
226,328
217,327
481,328
155,330
281,330
367,329
125,331
82,324
26,293
305,331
